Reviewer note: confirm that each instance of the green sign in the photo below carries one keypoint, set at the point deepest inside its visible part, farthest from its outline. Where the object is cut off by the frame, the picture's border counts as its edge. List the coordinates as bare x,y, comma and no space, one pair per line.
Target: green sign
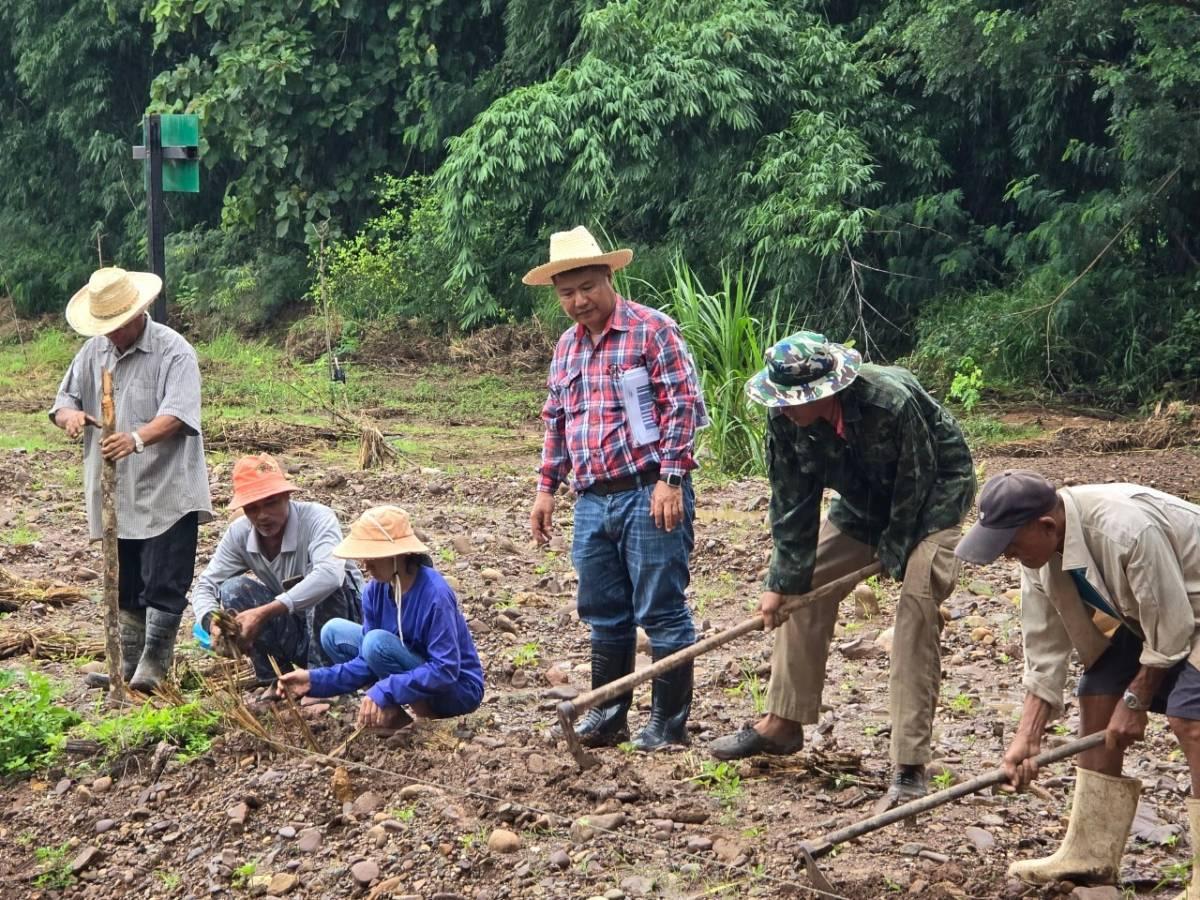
180,175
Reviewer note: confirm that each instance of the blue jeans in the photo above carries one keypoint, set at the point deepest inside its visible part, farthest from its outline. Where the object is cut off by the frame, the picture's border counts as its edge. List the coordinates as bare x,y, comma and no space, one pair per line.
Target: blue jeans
632,572
384,653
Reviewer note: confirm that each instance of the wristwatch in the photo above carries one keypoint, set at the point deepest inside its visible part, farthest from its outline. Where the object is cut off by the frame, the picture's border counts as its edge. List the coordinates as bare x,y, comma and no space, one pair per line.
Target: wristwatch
1134,702
138,444
673,480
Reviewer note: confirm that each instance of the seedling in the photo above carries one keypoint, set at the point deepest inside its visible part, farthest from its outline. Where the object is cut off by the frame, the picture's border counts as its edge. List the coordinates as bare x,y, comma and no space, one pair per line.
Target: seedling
526,655
56,868
447,555
942,780
751,685
962,703
722,781
243,873
405,814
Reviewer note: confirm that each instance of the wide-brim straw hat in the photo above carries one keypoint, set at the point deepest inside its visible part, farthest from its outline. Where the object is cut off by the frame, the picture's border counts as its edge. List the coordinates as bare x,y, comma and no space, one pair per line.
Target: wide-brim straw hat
256,478
575,249
802,368
111,298
378,533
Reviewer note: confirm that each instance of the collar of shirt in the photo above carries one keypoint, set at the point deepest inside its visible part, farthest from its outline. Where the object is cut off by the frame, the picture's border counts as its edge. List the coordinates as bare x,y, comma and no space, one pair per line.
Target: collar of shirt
1075,552
290,532
618,321
141,345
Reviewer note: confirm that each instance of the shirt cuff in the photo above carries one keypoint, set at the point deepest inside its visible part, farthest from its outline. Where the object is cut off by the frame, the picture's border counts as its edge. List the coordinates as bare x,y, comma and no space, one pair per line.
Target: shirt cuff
547,485
286,599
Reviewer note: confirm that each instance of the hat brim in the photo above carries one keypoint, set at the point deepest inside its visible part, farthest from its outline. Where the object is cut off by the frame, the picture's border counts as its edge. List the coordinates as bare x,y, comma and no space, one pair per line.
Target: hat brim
80,318
983,545
544,274
356,548
268,489
846,362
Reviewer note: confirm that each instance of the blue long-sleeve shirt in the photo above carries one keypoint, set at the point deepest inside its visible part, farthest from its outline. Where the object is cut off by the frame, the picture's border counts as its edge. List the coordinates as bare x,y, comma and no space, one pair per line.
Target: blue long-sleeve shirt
433,628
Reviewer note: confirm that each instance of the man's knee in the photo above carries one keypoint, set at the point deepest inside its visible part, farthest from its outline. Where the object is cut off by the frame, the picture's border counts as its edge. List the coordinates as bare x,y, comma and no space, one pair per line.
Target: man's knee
1187,731
242,592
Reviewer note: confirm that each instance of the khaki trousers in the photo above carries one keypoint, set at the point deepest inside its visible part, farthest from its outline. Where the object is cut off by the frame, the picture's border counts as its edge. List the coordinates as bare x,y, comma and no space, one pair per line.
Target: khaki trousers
802,642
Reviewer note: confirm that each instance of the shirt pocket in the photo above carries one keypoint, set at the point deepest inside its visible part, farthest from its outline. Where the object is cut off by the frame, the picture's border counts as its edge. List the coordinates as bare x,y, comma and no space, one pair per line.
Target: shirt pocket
141,401
568,387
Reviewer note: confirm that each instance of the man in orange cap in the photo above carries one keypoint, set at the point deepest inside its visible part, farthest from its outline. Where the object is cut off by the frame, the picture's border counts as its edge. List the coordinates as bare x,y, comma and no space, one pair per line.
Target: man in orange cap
298,584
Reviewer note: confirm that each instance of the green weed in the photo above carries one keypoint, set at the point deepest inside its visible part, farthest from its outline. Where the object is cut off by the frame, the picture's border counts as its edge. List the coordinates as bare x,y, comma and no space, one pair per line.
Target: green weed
527,654
31,723
722,781
170,880
962,703
405,814
20,536
942,780
56,868
189,727
750,685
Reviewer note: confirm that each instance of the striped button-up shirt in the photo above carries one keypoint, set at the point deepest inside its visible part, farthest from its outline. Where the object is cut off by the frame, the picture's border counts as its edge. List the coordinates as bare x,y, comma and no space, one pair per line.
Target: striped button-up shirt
158,375
586,425
305,557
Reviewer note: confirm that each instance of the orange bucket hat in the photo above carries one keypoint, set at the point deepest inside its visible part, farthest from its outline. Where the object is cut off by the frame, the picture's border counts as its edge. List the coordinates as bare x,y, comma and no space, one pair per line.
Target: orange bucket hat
378,533
257,478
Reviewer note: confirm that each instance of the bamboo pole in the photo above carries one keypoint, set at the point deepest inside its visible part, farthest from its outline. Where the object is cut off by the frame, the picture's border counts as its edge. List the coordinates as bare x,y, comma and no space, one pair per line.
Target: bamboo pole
108,519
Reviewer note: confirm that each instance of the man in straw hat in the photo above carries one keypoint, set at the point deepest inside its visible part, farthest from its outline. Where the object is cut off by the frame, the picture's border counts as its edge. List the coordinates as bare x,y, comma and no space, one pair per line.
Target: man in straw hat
298,584
904,480
162,483
622,412
1111,571
413,649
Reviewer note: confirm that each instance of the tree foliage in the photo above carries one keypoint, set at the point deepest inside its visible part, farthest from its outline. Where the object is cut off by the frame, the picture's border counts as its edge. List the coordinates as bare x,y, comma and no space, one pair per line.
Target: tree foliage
895,169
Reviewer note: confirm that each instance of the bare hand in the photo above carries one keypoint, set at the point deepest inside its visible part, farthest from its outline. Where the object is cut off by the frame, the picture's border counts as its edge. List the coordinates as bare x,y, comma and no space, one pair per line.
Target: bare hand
666,505
370,715
1019,763
1125,727
250,623
768,606
541,519
73,421
117,446
296,682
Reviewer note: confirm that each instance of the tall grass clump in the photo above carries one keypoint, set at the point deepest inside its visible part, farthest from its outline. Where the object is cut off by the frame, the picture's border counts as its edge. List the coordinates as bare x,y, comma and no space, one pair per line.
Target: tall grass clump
727,331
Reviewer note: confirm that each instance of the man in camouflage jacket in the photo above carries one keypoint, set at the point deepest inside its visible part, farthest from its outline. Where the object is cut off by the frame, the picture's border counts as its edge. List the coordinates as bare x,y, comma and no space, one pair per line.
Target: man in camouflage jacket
904,480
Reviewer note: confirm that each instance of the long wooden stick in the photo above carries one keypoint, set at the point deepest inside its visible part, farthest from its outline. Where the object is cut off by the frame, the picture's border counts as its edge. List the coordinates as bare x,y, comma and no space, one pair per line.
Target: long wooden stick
995,777
296,714
569,710
108,521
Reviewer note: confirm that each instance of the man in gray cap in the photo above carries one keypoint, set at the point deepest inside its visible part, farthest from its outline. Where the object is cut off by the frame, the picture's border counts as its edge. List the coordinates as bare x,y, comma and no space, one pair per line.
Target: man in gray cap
1113,572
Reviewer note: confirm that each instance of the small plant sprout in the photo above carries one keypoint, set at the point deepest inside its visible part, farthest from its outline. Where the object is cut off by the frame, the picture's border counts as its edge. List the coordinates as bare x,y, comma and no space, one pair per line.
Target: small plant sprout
527,654
942,780
722,781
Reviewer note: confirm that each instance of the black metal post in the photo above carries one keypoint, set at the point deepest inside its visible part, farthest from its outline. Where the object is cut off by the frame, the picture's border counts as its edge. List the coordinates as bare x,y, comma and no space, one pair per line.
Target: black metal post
156,212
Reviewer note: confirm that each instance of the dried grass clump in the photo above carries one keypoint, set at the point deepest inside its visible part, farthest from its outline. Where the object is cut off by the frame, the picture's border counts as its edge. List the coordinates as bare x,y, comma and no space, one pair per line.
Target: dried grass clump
16,591
44,642
522,347
268,437
1170,427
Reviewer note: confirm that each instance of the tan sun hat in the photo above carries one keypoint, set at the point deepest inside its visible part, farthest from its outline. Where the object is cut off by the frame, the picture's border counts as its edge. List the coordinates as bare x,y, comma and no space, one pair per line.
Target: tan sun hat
572,250
111,298
378,533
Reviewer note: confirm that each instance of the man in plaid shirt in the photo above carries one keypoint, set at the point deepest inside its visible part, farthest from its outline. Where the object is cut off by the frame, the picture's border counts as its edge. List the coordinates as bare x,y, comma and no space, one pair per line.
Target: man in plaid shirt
621,414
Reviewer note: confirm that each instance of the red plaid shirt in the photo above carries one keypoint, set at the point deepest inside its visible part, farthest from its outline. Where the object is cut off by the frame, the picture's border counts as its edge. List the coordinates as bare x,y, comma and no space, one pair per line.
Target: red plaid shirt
586,430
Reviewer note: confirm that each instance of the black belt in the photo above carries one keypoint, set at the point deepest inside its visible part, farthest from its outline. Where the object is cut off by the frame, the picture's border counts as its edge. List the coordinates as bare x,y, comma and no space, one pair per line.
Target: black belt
628,483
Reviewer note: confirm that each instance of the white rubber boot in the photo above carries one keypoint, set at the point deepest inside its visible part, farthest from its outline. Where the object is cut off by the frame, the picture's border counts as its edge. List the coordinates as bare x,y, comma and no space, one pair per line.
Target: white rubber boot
1101,817
1193,889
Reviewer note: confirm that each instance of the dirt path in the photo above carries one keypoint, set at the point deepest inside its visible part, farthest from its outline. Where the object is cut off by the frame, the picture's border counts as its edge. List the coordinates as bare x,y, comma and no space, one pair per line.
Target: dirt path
423,829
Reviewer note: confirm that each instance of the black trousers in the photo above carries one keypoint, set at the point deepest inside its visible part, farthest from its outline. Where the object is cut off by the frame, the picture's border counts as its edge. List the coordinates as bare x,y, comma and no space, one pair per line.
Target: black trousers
157,572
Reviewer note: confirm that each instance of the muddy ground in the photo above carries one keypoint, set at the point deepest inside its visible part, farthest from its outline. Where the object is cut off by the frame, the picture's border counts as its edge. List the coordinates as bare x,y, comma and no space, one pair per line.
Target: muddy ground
246,818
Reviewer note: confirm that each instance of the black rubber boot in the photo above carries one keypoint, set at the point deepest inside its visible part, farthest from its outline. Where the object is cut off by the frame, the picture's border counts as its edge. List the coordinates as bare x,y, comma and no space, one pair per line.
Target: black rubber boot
670,703
132,624
607,725
158,652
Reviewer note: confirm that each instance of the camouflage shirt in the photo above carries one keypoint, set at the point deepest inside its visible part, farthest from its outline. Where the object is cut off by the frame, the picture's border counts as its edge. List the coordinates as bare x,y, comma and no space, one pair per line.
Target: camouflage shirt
902,472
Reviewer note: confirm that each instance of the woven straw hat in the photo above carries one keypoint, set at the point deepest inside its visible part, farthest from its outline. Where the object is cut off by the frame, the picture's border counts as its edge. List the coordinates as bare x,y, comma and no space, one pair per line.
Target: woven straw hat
379,533
111,298
257,478
572,250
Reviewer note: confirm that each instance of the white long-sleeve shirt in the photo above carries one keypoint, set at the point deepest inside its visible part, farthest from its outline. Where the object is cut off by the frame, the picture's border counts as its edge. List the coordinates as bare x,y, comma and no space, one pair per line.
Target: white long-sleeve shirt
1139,549
311,533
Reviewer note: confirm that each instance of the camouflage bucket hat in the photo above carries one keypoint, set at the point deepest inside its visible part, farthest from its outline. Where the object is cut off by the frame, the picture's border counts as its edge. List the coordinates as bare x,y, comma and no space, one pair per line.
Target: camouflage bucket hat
802,368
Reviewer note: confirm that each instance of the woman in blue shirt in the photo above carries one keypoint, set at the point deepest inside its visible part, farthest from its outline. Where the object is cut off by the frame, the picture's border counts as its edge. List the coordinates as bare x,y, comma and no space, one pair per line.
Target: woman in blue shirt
413,647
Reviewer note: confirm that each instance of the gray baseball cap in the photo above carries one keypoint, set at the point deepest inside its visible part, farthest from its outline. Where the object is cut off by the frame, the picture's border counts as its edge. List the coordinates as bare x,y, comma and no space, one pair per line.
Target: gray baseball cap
1006,503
